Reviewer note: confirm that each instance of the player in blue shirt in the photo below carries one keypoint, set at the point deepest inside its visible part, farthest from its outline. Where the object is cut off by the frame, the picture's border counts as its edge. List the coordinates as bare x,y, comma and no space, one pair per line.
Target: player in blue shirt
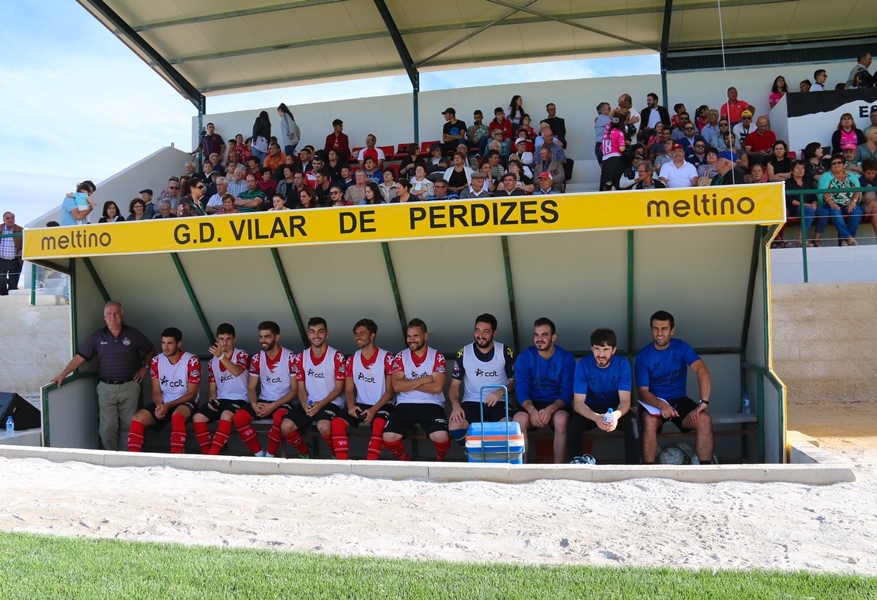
661,374
603,381
543,384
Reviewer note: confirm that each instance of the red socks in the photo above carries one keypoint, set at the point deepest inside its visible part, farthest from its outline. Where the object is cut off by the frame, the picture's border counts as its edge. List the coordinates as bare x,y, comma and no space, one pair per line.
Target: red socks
202,434
135,436
441,449
294,440
328,440
248,435
398,449
274,433
223,430
339,438
178,433
376,443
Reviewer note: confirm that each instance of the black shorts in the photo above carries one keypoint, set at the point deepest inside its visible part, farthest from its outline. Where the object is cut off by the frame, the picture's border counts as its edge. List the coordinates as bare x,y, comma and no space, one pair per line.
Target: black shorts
162,423
492,414
430,417
539,406
683,406
383,413
213,413
249,408
303,422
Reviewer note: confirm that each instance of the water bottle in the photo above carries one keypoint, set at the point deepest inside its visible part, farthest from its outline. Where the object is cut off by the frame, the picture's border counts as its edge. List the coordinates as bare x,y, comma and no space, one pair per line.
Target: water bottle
746,406
10,427
607,418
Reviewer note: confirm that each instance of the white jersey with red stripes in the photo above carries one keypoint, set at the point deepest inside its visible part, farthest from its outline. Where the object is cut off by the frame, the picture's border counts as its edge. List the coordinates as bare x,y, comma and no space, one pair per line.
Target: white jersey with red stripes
229,387
320,374
370,376
414,368
275,376
174,378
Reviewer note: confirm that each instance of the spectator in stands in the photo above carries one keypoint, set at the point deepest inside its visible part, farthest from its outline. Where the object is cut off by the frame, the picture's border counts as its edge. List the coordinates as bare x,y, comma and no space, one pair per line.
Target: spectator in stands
868,150
242,147
185,209
711,131
846,132
371,150
196,197
305,158
420,185
355,194
254,166
436,165
215,161
524,176
697,157
707,170
861,81
742,129
740,159
372,173
490,182
477,132
388,186
759,143
111,213
442,191
251,200
863,63
403,192
261,136
777,90
869,198
657,150
521,153
164,210
234,161
819,78
779,165
678,173
492,160
278,202
546,186
529,131
290,134
601,122
724,129
849,151
733,107
689,137
701,117
757,174
625,102
470,161
267,183
841,204
410,162
146,196
338,140
799,181
650,116
873,118
324,185
286,187
499,144
137,210
210,143
334,163
237,186
207,177
814,161
307,198
476,188
346,177
275,158
557,124
515,112
726,172
509,186
629,178
614,144
171,193
805,85
453,131
549,141
214,203
547,164
459,175
336,193
499,122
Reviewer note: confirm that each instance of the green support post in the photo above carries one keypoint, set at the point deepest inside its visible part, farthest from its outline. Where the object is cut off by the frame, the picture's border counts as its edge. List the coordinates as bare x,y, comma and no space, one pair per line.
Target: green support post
97,280
630,297
510,288
391,273
293,306
192,298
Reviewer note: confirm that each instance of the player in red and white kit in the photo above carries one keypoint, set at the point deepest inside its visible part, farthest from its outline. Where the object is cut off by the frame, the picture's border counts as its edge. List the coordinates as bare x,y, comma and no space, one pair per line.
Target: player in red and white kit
320,375
273,371
368,391
418,377
226,390
176,376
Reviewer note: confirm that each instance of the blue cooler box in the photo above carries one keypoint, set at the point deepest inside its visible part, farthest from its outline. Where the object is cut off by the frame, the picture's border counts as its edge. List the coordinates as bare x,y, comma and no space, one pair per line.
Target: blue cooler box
497,443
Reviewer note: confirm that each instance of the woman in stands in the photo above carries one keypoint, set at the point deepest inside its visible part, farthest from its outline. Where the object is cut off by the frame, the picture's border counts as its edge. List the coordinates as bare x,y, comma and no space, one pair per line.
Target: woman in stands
290,133
814,162
531,133
137,208
523,174
409,164
242,147
334,164
228,207
847,133
805,85
111,213
614,144
840,204
278,202
403,192
307,198
261,135
266,182
373,194
458,175
286,186
701,116
388,188
515,111
807,204
779,165
336,193
420,185
778,90
655,137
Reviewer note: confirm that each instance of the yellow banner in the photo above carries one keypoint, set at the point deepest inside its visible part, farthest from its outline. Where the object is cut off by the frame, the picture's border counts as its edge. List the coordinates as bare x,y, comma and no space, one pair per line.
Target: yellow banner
725,205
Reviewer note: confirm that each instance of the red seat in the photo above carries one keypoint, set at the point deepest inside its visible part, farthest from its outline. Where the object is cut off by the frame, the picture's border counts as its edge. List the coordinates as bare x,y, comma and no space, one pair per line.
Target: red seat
401,151
424,147
388,151
354,152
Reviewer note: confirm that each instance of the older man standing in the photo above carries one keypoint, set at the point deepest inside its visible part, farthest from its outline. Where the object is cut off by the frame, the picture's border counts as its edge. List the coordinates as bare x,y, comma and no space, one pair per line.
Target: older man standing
10,254
121,352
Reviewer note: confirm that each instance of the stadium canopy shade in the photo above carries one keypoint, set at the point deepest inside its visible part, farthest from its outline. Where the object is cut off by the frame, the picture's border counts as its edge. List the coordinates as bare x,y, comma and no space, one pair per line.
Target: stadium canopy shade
204,47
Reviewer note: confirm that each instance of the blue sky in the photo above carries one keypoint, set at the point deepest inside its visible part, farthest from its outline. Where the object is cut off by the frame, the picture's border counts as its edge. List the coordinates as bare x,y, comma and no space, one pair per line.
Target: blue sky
77,104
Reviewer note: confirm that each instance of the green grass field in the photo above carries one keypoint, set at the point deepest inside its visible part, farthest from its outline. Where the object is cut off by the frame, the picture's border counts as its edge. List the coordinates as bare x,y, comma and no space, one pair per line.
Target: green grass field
38,566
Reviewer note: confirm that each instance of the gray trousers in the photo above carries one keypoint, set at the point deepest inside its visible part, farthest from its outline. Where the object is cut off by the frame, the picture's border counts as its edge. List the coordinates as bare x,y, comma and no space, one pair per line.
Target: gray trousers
116,406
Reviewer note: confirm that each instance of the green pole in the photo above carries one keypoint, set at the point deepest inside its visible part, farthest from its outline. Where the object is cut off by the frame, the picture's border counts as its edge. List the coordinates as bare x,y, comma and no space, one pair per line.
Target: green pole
192,298
287,289
630,296
510,288
391,273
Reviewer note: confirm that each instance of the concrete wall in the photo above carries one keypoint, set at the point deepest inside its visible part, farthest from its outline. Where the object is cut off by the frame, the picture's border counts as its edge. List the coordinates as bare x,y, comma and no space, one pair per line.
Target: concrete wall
823,340
36,342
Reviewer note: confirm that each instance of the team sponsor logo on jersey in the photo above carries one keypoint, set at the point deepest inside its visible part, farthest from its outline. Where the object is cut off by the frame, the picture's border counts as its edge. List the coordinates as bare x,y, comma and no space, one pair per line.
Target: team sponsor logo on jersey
416,375
168,383
315,375
483,373
362,377
273,379
224,378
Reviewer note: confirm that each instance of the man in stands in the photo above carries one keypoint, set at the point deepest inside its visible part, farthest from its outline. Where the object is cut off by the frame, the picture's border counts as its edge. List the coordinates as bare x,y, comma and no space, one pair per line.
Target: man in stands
689,138
477,132
226,390
418,376
171,194
442,191
545,185
146,196
544,376
320,373
740,159
678,172
215,161
547,140
602,383
338,140
324,185
698,155
645,177
650,116
820,76
711,132
633,119
661,374
238,184
477,187
356,192
733,108
499,122
483,362
305,155
368,391
509,187
863,63
453,131
372,173
76,213
600,122
176,376
546,164
210,143
275,158
215,202
371,150
557,124
726,174
252,199
759,143
273,371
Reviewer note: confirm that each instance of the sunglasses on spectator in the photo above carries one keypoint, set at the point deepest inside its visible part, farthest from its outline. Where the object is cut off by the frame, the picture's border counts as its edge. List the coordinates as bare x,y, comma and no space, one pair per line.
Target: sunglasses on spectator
723,124
200,187
836,162
335,193
172,187
699,146
689,129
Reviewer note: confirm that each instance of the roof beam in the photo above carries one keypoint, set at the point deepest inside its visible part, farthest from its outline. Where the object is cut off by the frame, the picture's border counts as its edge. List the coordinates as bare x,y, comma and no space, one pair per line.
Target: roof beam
665,44
235,14
401,48
126,34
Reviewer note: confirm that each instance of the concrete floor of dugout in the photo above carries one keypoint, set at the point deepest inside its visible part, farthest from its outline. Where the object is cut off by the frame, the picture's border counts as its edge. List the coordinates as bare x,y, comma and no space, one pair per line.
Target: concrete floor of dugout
809,465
